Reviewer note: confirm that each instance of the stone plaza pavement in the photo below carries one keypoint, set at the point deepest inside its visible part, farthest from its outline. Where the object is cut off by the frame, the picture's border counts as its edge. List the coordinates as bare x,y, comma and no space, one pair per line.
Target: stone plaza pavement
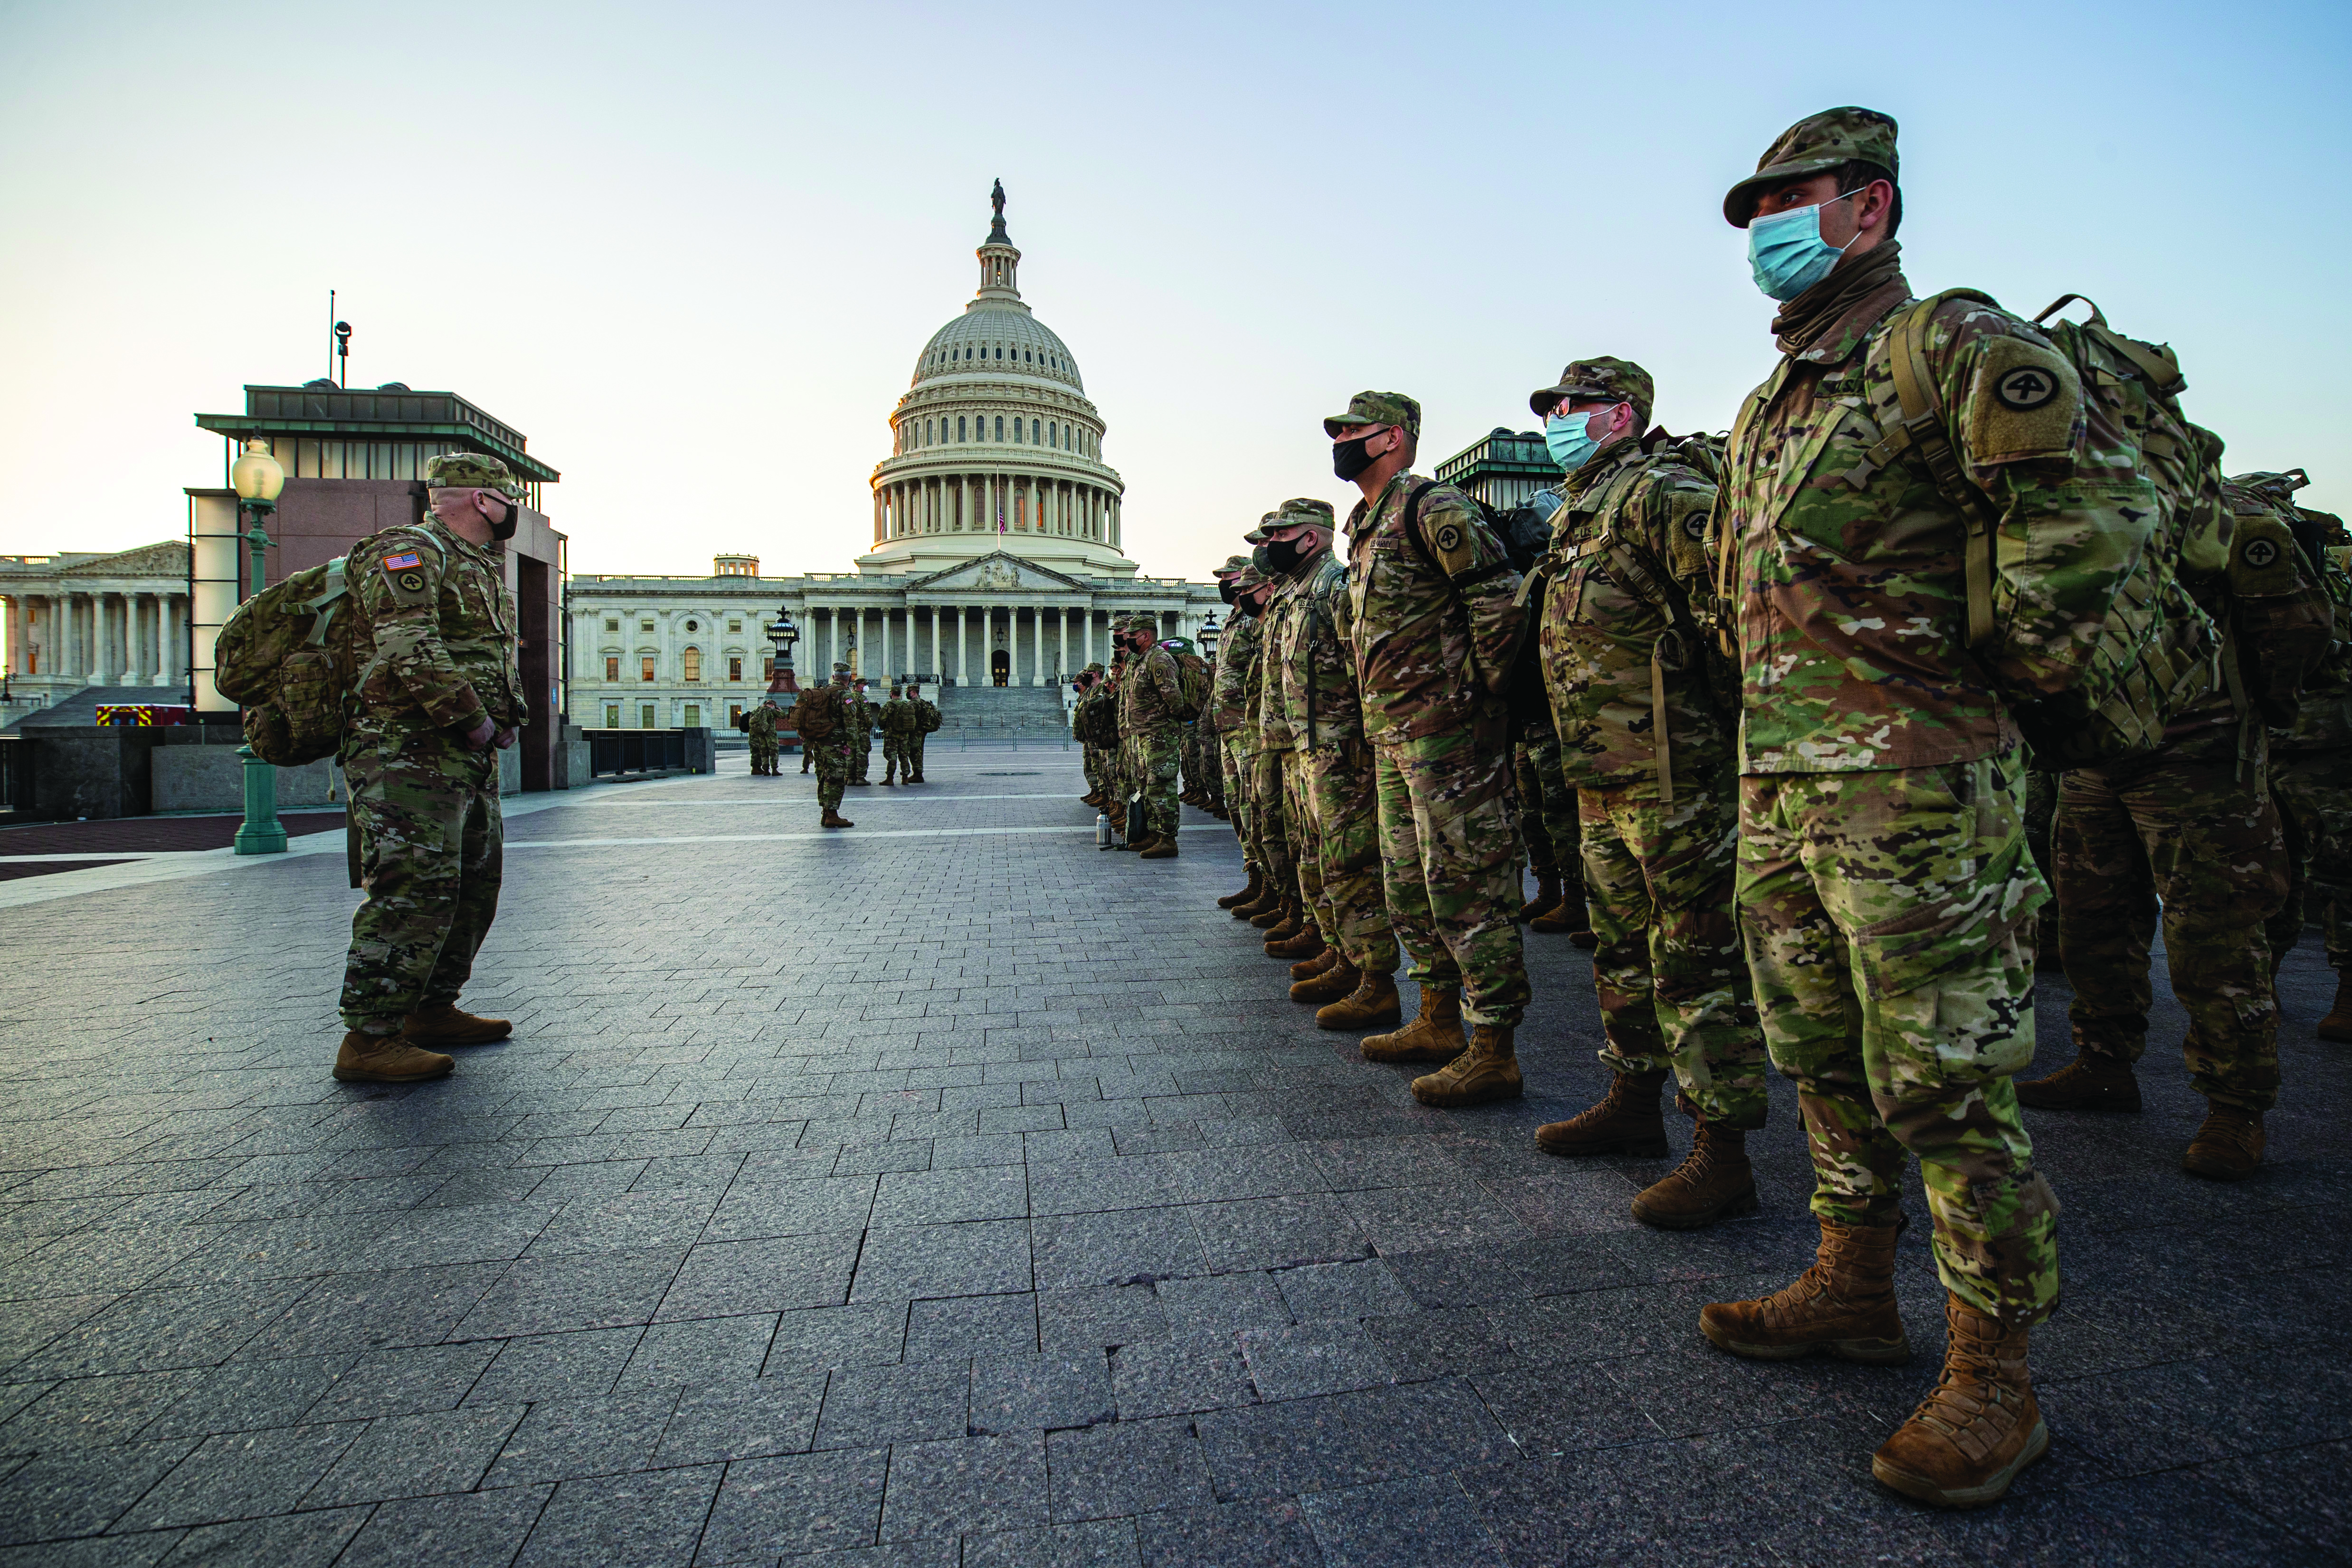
947,1193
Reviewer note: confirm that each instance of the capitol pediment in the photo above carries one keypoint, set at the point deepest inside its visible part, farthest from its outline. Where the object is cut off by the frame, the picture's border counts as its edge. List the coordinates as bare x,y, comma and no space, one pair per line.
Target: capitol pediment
168,558
997,573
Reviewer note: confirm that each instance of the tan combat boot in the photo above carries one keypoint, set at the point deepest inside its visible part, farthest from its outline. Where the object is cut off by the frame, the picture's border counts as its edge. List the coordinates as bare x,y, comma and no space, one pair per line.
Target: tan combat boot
1716,1181
1569,918
1308,968
1267,898
1626,1121
1328,987
1372,1003
448,1025
1978,1426
1433,1035
2228,1146
2338,1025
834,819
2092,1082
1307,944
1843,1304
1159,849
1486,1072
889,775
1546,896
387,1058
1293,920
1257,886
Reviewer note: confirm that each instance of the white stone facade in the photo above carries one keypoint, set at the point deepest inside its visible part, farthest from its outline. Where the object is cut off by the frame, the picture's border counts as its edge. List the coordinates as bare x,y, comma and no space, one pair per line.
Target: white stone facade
75,619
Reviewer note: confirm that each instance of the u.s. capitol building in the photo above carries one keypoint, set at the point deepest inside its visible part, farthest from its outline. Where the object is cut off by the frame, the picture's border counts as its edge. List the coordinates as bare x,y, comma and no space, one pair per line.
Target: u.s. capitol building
997,554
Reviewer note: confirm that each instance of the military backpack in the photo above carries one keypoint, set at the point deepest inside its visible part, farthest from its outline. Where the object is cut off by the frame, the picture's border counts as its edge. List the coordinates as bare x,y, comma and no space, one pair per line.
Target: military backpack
2079,700
1191,680
289,657
2281,604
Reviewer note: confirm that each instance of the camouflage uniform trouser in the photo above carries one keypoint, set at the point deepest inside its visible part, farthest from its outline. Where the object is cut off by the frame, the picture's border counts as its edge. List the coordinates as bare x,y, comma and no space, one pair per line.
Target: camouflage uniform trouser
915,750
1155,766
1548,811
1449,863
764,756
1341,803
1306,861
1889,923
1269,822
1669,972
894,756
430,861
2185,829
832,759
1238,763
2314,791
861,755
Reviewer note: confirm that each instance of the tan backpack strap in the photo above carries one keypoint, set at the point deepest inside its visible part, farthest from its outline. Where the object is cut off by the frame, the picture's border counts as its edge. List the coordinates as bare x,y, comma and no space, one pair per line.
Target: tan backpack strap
1921,431
1726,631
1658,729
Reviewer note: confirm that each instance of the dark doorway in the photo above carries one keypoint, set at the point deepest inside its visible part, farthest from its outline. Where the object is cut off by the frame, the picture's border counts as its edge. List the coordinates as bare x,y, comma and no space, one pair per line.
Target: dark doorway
537,659
999,667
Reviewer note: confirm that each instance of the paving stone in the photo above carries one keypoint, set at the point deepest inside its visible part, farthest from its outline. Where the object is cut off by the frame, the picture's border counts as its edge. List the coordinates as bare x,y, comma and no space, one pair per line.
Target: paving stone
751,1212
478,1529
95,1410
1260,1535
403,1382
566,1437
573,1290
577,1365
1074,1251
744,1420
312,1539
240,1475
944,1197
702,1350
1100,1315
1295,1362
925,1402
797,1503
417,1456
1106,1543
971,1326
81,1491
1059,1389
1125,1468
981,1257
645,1520
966,1484
1222,1303
1277,1232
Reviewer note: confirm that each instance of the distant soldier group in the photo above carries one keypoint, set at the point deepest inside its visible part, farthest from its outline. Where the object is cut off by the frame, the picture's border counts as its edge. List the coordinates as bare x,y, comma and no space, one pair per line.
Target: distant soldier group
836,725
1760,714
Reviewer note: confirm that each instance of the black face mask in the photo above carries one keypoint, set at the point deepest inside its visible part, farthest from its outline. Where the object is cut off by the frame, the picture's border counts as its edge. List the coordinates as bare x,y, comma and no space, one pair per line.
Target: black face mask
1225,592
505,527
1349,459
1281,556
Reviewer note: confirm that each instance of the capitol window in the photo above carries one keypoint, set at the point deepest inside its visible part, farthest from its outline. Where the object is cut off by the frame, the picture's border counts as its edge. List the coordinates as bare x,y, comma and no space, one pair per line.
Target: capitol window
613,671
692,662
1033,432
1016,430
612,715
958,426
612,622
646,667
734,667
1000,427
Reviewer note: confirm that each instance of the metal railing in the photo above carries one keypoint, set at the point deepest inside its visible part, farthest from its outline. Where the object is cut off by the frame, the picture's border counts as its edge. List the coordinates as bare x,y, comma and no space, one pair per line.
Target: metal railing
613,752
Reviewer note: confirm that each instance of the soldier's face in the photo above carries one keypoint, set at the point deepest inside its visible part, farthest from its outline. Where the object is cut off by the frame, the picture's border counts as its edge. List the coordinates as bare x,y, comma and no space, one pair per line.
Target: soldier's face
1844,214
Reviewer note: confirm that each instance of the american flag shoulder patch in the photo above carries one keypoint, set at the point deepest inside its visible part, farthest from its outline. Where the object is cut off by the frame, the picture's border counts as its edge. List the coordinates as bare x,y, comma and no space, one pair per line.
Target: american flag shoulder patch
407,563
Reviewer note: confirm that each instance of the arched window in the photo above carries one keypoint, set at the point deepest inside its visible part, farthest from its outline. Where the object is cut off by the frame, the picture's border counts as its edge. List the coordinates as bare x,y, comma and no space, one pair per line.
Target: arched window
1016,431
1000,427
1033,432
958,426
692,661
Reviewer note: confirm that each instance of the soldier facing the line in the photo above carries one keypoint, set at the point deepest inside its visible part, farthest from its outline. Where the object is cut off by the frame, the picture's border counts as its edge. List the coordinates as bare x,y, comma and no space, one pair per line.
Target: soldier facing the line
826,718
898,719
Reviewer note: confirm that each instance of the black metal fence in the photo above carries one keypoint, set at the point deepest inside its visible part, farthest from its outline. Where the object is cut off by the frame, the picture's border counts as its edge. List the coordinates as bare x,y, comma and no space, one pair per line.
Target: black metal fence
613,752
16,776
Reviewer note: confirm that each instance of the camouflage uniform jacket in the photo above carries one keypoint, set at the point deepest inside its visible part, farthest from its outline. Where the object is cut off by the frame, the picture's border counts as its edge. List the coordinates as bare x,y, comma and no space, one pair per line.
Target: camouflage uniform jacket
1420,668
2323,722
1152,692
1632,520
898,719
1275,732
868,714
1849,586
761,723
436,609
1248,649
1316,661
927,716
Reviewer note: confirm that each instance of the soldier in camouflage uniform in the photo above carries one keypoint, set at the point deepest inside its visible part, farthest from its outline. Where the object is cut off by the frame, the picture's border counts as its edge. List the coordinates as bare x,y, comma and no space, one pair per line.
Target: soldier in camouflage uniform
1229,698
2311,773
1640,734
2191,826
1548,825
1432,597
1298,935
1884,885
439,696
864,716
1259,777
1311,659
1082,689
1149,709
926,721
898,719
762,727
826,718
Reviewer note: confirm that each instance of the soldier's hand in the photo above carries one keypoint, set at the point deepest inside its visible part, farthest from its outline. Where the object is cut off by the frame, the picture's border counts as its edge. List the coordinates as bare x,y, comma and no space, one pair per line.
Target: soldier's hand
479,738
506,738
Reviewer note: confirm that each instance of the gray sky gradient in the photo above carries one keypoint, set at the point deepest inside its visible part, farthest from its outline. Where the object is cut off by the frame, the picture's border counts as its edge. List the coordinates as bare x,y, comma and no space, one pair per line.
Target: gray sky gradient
692,250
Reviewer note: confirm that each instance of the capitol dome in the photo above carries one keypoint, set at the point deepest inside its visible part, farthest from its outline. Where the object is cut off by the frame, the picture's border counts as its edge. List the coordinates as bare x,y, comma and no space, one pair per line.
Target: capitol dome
994,446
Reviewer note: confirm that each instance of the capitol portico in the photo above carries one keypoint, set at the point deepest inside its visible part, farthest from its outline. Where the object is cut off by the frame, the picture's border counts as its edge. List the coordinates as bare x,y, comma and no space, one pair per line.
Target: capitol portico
998,553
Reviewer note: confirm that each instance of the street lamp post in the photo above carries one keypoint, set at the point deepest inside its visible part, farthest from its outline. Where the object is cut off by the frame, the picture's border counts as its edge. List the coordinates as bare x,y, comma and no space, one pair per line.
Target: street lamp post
259,479
782,635
1208,636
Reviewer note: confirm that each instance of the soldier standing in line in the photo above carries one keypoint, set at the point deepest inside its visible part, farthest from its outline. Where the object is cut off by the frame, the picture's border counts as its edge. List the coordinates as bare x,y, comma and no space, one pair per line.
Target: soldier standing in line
1150,710
2311,765
440,697
762,727
863,717
1883,884
1256,776
1313,663
1113,732
927,723
826,719
1625,670
1436,631
1228,697
1547,822
2190,828
1082,689
1298,937
898,719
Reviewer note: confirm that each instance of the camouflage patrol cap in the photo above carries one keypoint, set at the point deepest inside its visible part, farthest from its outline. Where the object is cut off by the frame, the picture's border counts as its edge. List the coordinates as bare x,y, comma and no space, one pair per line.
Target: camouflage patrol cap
1095,669
470,470
1377,408
1232,563
1248,577
1618,380
841,670
1811,146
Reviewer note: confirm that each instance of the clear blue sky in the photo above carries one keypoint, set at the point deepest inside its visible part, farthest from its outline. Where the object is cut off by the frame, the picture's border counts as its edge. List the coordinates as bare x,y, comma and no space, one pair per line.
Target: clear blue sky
693,249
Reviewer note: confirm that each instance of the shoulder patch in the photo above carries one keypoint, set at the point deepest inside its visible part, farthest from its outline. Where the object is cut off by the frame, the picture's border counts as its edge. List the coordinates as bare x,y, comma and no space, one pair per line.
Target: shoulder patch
1452,540
408,561
2263,563
2024,404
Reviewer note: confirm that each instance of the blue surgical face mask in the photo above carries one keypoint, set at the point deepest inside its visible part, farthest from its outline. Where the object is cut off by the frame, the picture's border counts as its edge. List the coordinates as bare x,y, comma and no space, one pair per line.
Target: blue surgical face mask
1786,252
1570,439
